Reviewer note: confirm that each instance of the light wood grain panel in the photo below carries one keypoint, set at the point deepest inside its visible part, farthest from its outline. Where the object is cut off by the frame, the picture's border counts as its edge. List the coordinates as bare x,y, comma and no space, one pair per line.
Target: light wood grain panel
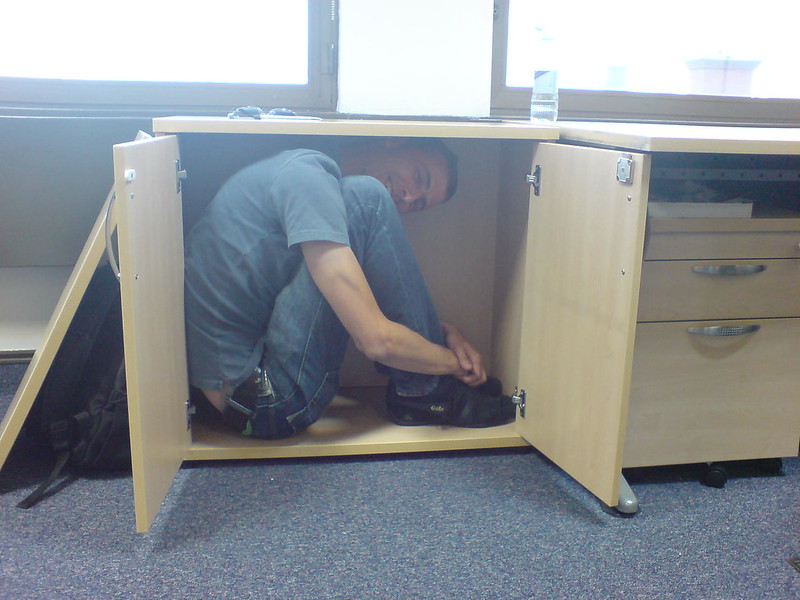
672,291
675,239
659,137
697,398
477,129
584,247
355,423
151,264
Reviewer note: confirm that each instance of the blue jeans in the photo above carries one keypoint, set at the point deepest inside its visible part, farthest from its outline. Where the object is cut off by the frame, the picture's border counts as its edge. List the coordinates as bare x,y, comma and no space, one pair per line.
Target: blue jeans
305,342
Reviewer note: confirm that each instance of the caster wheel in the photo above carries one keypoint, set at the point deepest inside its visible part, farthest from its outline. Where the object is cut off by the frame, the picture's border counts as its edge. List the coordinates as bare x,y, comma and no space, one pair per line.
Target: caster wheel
715,476
773,466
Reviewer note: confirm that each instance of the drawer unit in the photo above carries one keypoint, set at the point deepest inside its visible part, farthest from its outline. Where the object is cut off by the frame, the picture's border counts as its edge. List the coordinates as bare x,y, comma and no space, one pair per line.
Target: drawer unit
715,289
698,395
676,239
714,372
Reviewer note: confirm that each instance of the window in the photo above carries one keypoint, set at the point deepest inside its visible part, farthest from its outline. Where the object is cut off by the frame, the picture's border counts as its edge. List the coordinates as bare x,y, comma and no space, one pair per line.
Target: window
686,60
155,56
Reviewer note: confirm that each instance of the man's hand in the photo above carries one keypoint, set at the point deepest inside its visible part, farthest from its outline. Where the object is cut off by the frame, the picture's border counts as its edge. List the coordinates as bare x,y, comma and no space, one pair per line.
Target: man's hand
469,359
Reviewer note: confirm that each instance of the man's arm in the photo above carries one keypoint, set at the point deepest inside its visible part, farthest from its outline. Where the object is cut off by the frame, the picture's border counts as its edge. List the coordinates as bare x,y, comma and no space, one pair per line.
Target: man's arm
341,280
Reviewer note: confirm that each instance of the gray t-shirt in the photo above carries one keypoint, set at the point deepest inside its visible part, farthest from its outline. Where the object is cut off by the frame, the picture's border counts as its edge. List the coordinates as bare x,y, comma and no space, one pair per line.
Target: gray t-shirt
244,250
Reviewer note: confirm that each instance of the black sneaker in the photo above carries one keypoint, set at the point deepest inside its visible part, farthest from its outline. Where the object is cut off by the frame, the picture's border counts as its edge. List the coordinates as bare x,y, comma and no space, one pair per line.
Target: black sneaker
453,403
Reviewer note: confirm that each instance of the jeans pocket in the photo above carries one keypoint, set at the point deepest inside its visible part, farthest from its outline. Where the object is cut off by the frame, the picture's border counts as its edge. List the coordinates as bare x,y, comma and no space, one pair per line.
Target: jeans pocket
283,416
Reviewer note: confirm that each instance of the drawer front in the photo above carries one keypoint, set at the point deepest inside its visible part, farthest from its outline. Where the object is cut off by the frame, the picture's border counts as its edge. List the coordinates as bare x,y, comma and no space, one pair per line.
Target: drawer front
697,398
712,289
721,244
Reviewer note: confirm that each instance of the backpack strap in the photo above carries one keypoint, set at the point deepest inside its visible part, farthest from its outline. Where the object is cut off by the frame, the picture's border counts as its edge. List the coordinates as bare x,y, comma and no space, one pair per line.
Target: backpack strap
60,436
40,492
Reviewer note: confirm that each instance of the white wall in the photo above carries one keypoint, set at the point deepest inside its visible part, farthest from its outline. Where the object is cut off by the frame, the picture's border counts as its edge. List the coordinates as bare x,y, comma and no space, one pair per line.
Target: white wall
415,57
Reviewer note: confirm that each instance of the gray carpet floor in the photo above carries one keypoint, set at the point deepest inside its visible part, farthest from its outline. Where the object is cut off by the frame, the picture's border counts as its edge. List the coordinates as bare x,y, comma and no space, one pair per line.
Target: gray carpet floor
493,524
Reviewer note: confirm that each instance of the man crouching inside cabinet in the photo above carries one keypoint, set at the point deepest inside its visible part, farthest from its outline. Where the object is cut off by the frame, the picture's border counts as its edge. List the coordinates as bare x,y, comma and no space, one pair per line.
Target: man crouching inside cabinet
300,252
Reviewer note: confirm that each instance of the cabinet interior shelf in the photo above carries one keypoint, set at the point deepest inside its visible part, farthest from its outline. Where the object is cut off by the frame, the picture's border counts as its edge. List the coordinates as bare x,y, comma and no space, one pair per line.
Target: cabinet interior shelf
26,304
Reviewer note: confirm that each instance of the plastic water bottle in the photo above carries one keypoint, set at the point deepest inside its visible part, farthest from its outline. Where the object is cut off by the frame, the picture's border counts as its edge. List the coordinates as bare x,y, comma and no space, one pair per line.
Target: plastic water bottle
544,95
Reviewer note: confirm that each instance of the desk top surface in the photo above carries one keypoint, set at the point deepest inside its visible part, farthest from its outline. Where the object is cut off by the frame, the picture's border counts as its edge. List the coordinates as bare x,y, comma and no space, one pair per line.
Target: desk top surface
476,128
644,137
650,137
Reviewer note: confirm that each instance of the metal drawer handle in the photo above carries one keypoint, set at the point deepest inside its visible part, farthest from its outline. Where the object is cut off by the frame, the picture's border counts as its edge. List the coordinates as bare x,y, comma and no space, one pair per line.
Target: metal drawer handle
724,330
729,269
108,229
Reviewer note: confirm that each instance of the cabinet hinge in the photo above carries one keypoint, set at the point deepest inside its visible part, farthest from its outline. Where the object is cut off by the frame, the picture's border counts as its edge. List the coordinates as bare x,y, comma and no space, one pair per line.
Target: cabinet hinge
190,411
519,399
535,179
180,175
625,169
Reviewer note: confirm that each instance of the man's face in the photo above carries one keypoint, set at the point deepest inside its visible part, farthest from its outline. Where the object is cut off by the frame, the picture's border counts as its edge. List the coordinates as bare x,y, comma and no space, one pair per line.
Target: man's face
415,178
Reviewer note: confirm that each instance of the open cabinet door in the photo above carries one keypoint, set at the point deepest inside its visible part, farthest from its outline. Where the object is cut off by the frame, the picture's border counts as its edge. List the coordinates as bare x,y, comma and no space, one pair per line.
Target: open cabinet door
150,239
582,271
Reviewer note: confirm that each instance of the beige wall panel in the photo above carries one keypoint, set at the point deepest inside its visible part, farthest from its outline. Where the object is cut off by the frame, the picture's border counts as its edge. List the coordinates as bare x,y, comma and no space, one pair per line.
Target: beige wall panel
55,174
512,227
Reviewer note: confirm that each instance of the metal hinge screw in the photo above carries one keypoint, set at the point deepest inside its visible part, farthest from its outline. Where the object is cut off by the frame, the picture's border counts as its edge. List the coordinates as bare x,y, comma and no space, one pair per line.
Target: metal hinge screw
180,175
519,399
535,179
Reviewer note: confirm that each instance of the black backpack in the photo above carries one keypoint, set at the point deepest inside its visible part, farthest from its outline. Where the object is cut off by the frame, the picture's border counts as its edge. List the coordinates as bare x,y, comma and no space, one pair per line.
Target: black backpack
81,410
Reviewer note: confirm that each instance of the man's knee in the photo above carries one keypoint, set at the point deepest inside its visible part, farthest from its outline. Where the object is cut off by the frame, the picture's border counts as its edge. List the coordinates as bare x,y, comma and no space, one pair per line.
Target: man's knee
369,207
363,191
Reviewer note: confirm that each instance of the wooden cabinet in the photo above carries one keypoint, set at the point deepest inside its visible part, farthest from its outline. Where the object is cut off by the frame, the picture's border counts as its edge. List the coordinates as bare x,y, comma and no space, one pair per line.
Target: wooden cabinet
716,343
714,374
154,205
580,305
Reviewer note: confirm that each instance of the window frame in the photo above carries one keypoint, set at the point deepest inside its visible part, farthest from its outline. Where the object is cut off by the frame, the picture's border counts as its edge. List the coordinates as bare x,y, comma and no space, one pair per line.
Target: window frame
48,97
592,105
